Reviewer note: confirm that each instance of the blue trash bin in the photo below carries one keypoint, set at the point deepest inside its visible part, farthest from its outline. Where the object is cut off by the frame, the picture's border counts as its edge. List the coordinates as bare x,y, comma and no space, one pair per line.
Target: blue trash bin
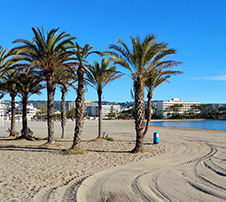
156,138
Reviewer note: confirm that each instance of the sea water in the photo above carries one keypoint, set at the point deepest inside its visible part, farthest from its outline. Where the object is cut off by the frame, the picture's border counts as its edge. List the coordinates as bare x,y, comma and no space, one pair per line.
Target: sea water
213,124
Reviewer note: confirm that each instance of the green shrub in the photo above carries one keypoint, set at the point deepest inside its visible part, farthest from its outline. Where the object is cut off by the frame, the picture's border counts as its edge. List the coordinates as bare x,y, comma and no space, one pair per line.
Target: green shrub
16,133
105,137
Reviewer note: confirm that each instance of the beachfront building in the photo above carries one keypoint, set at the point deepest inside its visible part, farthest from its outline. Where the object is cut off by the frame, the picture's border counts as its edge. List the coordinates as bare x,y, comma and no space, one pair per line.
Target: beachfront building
71,105
86,103
31,110
92,108
3,109
111,108
106,109
165,108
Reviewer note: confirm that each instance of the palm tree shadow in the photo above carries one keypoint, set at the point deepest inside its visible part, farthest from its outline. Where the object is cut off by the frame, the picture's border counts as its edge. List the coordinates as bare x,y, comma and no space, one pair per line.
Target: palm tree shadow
104,151
27,148
7,139
148,143
63,140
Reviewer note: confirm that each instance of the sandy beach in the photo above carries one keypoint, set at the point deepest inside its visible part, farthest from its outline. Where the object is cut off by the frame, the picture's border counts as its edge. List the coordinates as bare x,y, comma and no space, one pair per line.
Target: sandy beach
187,165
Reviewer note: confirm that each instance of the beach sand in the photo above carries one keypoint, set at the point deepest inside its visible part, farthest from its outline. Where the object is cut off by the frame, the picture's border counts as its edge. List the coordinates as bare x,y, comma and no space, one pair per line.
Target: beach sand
187,165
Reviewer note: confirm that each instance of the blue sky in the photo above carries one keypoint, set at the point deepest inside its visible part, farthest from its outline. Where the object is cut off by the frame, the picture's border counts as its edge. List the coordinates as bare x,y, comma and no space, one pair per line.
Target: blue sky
197,29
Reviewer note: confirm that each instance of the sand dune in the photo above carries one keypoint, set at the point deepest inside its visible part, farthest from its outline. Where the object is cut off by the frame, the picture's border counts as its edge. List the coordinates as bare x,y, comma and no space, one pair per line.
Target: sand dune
188,165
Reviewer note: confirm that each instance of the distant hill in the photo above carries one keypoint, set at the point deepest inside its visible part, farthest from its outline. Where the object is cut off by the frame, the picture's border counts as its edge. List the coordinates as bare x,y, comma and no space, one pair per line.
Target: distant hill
37,103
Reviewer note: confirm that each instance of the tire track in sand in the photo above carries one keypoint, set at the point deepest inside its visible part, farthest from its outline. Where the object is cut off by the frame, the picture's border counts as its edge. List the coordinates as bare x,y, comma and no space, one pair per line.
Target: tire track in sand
189,171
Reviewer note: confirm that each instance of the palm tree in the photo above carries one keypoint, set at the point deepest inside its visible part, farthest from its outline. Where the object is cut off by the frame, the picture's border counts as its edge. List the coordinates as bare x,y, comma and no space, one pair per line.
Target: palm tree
28,83
8,84
67,80
157,77
176,108
139,61
82,54
98,76
3,53
47,53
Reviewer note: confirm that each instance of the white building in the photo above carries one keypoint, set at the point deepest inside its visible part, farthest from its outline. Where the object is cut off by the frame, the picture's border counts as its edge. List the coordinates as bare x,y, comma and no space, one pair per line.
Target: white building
71,105
31,110
165,107
93,108
3,108
106,109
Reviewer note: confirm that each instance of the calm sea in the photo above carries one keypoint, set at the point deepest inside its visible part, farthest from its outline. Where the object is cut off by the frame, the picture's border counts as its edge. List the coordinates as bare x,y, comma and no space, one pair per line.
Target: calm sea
216,125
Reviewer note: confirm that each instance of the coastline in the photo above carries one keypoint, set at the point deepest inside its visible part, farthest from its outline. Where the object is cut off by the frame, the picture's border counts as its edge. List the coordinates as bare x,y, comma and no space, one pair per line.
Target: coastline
31,173
169,120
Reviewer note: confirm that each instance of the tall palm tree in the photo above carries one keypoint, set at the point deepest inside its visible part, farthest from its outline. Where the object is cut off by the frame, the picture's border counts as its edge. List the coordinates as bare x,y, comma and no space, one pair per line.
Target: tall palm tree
98,76
28,83
3,53
139,61
47,53
67,80
82,54
157,77
8,84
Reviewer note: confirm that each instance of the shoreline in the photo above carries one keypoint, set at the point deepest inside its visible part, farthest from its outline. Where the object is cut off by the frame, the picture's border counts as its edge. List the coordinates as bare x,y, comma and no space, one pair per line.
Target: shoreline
169,120
31,173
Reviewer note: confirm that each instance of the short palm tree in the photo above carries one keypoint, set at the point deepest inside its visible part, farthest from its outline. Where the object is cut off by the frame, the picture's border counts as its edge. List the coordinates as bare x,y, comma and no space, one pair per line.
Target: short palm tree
157,77
47,53
82,54
98,76
139,61
176,108
28,83
8,84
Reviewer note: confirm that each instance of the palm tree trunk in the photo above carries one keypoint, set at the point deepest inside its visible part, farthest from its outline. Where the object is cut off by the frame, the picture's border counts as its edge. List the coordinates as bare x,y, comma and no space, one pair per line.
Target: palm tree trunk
149,112
79,108
50,109
63,111
140,116
13,116
100,113
24,117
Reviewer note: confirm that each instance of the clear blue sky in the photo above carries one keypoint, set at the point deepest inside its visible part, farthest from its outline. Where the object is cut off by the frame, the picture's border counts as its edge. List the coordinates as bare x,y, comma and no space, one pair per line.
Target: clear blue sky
197,29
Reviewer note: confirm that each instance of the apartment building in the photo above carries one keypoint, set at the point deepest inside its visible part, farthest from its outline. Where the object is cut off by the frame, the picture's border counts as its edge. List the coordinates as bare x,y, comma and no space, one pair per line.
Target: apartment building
91,109
106,109
3,109
165,107
86,103
71,105
31,110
